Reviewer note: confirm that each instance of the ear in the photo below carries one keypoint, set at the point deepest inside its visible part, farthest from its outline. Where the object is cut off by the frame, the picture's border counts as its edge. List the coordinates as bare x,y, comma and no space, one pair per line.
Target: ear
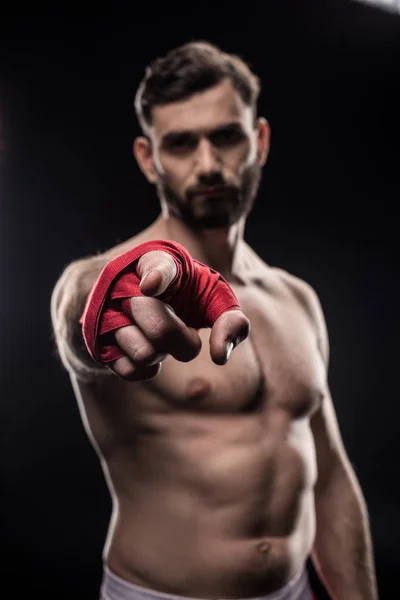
263,140
143,153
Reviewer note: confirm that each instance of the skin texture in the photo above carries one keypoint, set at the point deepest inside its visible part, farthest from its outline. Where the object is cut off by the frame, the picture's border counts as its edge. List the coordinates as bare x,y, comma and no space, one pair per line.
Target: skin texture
225,475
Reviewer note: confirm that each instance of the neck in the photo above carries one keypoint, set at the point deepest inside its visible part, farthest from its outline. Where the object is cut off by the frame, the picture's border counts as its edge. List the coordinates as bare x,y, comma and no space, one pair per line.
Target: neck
217,248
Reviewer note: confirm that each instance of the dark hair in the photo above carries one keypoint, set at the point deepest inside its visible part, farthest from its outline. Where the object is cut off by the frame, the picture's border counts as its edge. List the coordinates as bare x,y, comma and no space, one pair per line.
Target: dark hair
191,68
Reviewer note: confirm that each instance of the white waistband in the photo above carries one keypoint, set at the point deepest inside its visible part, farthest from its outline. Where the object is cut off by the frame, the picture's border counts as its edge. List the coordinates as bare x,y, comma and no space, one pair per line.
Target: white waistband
116,588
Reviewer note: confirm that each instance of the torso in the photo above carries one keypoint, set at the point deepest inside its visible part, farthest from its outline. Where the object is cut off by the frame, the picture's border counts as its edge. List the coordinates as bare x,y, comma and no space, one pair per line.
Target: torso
212,468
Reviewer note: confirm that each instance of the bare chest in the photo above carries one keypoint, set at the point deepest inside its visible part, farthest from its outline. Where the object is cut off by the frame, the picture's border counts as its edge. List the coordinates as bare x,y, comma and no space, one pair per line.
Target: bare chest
277,367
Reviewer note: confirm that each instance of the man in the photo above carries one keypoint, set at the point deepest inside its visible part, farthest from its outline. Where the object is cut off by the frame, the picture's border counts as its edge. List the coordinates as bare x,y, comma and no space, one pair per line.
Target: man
225,466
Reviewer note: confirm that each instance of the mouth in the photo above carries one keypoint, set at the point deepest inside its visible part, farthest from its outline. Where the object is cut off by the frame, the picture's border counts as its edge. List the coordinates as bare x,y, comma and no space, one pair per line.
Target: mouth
217,191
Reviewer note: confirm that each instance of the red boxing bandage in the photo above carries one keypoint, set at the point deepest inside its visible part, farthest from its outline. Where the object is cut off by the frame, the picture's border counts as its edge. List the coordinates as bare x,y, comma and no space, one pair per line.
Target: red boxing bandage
198,295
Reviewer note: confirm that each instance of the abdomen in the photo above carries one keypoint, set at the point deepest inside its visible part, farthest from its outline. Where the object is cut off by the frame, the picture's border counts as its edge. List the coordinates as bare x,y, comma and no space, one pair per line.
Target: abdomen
225,508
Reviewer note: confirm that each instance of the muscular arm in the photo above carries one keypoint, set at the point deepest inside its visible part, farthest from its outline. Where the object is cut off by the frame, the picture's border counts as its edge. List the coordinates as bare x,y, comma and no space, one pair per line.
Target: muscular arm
67,304
342,552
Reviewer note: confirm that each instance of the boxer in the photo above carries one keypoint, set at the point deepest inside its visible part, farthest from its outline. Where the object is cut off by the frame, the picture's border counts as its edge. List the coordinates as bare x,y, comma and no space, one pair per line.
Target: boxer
201,372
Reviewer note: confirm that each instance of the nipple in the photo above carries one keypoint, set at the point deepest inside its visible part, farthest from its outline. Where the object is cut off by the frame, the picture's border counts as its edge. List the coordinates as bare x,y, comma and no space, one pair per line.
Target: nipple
198,388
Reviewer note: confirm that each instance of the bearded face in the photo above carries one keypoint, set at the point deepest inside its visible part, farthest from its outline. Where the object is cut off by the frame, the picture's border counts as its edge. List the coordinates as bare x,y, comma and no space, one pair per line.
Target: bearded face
212,203
205,155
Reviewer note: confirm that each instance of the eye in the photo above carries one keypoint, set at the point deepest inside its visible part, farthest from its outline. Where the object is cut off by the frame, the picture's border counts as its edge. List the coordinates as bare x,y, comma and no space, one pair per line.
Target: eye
227,137
181,143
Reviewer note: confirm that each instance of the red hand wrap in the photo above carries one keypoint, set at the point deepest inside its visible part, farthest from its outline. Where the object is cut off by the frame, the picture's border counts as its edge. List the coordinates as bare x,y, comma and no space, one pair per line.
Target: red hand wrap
198,295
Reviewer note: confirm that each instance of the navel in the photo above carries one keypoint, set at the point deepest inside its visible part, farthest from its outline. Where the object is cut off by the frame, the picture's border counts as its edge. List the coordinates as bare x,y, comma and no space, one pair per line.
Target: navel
264,547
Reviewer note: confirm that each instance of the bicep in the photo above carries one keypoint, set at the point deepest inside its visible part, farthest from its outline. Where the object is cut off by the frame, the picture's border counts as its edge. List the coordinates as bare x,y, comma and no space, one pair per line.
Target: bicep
330,450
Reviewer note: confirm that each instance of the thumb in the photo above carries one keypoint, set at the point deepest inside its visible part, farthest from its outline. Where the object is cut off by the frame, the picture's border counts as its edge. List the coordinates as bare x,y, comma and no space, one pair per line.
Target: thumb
229,330
157,270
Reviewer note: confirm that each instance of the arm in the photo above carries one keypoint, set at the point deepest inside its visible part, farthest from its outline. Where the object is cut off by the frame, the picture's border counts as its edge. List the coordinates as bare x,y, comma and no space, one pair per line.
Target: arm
342,553
67,304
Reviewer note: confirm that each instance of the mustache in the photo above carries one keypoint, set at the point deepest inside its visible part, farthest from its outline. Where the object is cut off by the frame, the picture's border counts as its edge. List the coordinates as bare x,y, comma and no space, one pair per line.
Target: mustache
225,188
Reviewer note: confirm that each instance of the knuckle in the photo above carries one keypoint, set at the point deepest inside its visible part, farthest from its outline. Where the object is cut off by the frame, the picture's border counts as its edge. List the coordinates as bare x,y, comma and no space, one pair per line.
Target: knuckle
143,353
159,329
122,335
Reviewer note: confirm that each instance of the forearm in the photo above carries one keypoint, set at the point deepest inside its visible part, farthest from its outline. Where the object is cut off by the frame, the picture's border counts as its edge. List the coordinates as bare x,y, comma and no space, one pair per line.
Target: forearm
342,553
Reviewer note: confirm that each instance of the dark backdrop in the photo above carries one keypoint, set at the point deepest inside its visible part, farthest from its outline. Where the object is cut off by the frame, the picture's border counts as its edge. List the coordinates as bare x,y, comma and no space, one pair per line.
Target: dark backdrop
326,212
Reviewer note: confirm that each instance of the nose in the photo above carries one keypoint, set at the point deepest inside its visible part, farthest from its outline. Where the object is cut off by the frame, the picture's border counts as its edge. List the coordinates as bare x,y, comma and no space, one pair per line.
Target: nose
206,159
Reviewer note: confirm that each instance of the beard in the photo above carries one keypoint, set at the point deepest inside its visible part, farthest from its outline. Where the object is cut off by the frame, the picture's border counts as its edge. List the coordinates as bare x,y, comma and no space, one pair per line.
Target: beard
215,211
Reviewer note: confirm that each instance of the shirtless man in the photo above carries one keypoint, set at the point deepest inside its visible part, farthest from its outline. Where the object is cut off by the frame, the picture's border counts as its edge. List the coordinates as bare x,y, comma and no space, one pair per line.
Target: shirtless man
226,468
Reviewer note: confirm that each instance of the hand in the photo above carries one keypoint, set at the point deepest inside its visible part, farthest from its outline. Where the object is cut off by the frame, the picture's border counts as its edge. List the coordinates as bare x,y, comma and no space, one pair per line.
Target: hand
158,332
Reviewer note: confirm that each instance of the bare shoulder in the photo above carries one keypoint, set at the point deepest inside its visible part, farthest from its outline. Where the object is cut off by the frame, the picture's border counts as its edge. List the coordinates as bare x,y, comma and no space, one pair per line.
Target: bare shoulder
275,279
302,290
283,284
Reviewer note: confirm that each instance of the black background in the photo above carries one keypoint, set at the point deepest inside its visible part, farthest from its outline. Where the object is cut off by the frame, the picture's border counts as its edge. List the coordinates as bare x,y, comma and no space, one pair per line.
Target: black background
326,211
